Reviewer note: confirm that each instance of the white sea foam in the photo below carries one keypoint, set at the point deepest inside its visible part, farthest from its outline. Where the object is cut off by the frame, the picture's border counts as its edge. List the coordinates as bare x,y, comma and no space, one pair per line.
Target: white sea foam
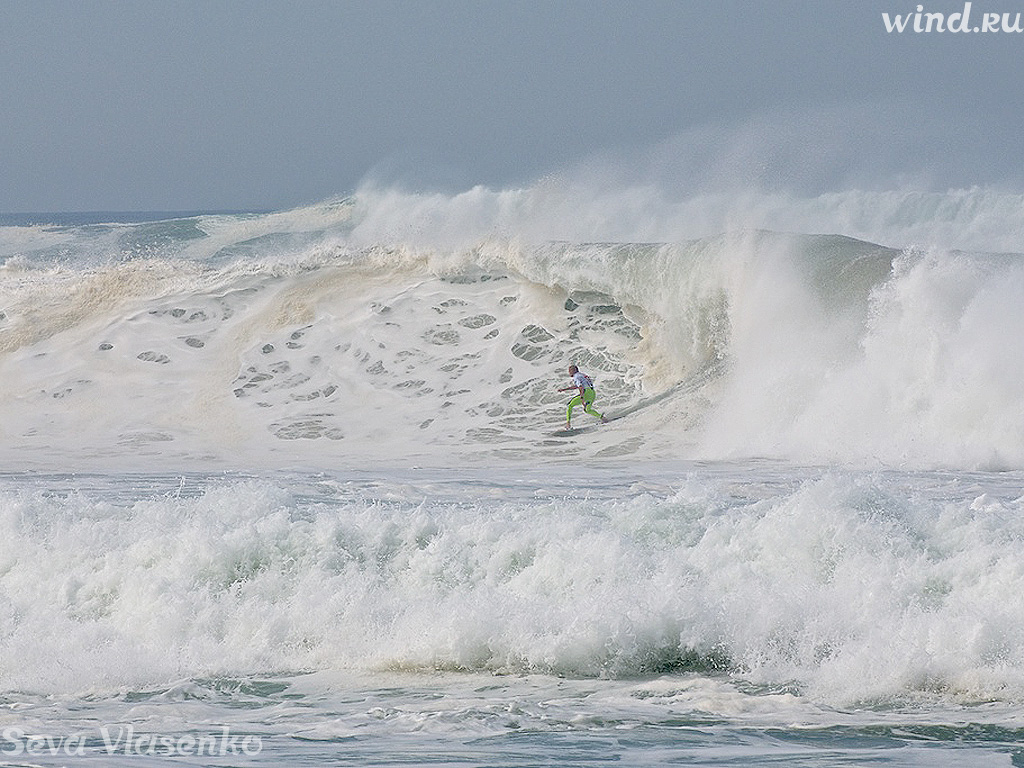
648,577
849,588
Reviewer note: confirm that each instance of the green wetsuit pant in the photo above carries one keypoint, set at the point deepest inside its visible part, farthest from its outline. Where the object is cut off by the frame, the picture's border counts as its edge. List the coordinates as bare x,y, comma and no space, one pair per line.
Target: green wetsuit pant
588,405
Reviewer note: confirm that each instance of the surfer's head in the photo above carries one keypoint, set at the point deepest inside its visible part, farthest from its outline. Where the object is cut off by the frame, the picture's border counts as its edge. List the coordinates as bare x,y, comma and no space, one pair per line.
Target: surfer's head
573,369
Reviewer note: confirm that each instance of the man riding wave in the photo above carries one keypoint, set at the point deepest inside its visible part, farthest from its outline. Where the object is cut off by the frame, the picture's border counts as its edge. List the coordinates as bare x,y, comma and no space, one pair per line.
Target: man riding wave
584,386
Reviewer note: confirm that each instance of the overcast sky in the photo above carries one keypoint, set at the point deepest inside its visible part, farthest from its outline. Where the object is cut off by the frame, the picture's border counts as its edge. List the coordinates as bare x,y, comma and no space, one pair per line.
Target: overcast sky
241,105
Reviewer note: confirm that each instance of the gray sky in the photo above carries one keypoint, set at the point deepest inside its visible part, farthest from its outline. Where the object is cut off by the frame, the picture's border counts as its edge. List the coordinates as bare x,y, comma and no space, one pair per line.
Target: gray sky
223,104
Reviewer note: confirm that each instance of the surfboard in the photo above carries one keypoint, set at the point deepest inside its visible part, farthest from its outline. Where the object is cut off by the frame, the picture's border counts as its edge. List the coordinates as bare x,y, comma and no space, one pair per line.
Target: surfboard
691,384
579,430
571,432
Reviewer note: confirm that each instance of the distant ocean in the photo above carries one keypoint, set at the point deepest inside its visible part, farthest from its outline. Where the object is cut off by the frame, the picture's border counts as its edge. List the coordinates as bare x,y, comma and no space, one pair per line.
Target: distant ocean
85,218
285,488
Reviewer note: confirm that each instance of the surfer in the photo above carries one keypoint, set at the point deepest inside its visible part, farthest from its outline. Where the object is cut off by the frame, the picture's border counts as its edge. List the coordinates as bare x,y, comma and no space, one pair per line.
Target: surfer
585,394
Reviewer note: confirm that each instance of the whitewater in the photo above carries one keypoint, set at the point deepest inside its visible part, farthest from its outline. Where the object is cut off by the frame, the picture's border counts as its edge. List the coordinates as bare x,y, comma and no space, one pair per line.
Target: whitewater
291,481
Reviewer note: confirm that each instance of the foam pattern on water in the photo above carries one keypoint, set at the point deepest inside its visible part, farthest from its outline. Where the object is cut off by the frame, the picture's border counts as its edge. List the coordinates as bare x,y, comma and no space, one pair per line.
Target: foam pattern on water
840,588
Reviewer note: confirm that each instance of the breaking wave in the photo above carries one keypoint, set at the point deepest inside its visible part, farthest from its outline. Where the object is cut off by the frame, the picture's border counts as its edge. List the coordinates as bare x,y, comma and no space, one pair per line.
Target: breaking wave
432,328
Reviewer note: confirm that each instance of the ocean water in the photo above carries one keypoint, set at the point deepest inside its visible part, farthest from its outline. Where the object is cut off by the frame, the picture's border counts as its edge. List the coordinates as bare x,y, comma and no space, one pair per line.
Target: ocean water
285,488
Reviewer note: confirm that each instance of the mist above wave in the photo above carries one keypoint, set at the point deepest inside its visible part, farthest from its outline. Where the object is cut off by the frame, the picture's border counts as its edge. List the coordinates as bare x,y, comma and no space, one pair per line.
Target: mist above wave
573,210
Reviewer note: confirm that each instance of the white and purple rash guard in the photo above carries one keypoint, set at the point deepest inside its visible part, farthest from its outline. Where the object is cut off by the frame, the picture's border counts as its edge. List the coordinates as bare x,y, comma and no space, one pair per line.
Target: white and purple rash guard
581,379
586,397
